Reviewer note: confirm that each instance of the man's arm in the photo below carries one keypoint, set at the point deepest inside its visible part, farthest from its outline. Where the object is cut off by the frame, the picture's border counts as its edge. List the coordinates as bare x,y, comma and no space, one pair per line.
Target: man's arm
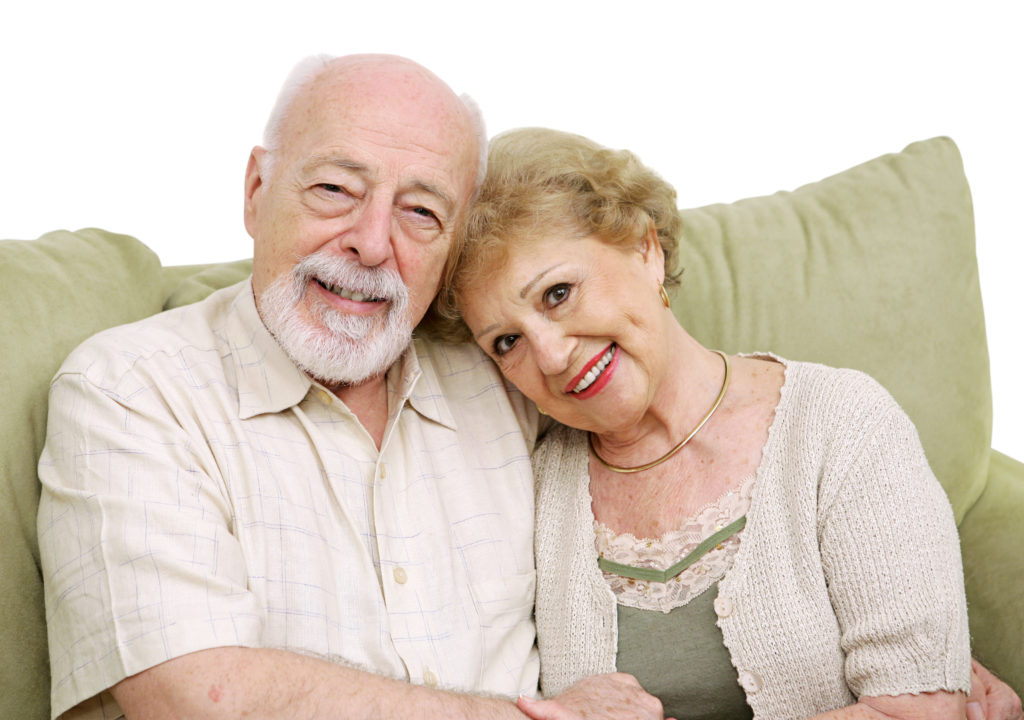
237,682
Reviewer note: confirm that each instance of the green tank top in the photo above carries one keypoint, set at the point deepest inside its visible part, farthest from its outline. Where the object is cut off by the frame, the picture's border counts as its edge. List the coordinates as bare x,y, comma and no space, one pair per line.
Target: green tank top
680,658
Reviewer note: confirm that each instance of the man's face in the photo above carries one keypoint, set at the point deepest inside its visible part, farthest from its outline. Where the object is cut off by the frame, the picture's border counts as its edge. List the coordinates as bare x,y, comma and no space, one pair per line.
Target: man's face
361,198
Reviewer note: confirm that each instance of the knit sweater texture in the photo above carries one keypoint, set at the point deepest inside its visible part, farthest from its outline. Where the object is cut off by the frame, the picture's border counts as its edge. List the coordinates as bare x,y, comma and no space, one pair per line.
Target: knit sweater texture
848,581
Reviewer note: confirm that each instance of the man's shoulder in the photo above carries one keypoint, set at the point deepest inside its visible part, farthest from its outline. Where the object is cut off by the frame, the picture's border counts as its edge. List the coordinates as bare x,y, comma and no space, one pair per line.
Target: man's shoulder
198,327
453,359
469,380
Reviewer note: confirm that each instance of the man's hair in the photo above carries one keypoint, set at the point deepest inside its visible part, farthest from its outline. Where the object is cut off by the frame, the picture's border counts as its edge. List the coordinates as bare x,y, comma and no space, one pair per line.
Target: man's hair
307,70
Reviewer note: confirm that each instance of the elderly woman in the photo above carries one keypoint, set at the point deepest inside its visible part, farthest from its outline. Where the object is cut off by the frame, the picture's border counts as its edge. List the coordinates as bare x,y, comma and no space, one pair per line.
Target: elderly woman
749,536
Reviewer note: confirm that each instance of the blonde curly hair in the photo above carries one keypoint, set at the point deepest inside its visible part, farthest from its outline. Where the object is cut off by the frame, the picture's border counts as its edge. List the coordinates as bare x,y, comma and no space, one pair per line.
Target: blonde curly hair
543,184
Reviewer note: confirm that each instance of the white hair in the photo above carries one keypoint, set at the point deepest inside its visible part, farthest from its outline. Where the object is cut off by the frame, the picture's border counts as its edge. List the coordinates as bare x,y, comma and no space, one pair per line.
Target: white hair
302,75
307,70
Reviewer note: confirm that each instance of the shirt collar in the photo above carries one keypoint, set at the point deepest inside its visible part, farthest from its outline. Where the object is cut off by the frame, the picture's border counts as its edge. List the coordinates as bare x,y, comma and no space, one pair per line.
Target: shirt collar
269,382
421,385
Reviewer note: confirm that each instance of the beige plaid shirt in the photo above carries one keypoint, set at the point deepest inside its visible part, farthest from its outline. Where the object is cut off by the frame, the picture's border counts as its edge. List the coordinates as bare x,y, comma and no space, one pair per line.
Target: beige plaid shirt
200,491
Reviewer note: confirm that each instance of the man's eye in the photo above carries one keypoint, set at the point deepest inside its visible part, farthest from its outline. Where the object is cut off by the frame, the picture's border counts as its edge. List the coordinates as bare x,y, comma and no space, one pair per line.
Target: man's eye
556,294
504,343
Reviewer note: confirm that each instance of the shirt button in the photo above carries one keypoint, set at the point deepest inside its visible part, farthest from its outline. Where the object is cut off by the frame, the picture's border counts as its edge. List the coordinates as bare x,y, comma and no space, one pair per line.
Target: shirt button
325,397
400,575
723,607
429,678
750,681
383,471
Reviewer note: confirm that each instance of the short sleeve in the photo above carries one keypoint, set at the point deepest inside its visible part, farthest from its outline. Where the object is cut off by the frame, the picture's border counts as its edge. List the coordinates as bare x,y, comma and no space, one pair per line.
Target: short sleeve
138,557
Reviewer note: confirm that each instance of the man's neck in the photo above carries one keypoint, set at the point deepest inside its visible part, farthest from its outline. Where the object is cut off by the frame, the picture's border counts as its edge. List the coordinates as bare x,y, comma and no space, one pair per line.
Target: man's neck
368,401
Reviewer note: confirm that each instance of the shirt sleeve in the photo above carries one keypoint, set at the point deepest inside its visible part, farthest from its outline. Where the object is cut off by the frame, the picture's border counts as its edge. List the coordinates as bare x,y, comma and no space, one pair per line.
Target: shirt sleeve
891,557
139,561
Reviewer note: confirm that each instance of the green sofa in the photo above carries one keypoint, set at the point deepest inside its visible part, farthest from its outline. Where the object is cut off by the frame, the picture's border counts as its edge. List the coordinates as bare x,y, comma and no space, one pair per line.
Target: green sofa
873,268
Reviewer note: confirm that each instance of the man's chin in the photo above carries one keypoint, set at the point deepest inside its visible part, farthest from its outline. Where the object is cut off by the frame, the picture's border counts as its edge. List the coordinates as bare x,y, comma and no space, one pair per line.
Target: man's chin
331,346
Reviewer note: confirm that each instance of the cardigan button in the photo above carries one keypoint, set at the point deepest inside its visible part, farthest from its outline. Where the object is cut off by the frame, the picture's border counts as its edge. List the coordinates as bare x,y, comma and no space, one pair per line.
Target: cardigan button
750,681
723,607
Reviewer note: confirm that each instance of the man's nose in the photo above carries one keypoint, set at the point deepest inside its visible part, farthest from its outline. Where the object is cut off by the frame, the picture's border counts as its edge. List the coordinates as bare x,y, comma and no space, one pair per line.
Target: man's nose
370,236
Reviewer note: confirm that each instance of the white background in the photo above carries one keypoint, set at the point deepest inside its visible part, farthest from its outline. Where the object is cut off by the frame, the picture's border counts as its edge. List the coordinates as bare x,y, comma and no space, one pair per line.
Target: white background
138,117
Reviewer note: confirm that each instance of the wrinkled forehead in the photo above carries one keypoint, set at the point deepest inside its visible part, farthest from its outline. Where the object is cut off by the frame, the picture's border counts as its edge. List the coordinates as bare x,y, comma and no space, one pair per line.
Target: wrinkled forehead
404,115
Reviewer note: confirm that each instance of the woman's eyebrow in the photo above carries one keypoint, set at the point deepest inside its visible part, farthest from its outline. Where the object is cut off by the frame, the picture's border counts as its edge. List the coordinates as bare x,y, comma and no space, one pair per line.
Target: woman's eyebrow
536,279
522,293
485,331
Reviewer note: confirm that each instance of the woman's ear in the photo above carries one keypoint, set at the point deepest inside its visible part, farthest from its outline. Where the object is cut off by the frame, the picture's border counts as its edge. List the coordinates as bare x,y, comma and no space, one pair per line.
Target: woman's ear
653,255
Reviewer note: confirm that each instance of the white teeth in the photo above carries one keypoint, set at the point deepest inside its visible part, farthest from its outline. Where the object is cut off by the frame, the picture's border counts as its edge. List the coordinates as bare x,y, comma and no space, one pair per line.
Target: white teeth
592,374
347,294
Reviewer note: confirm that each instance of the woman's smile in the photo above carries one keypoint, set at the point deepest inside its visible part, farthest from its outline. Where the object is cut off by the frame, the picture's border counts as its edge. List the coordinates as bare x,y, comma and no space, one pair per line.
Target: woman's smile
596,374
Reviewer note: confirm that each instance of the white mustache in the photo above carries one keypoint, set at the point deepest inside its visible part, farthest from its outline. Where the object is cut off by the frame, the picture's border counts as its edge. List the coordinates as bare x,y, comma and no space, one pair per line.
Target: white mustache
378,283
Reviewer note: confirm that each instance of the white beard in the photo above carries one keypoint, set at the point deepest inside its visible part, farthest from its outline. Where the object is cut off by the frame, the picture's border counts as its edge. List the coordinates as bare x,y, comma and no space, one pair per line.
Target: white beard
328,345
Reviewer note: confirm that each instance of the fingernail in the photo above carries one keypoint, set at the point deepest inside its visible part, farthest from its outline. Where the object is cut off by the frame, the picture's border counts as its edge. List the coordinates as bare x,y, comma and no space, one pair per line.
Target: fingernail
974,711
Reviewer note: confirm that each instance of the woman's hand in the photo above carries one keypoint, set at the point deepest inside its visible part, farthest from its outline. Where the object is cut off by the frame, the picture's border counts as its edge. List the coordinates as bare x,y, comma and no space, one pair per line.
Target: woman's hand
991,698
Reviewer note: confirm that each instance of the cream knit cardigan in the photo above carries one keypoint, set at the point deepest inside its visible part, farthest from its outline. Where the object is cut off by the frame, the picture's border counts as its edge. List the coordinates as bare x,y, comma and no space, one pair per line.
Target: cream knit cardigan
848,581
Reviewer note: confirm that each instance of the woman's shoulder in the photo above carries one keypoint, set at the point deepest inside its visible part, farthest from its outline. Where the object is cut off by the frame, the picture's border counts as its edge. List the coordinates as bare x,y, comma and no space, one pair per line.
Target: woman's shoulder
817,390
559,444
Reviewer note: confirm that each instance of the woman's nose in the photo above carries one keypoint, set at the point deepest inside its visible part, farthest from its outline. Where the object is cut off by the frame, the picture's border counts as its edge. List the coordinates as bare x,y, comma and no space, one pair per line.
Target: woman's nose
552,348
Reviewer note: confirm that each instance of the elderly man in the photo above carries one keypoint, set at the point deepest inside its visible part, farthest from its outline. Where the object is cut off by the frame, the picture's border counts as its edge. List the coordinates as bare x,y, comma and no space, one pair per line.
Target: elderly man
270,503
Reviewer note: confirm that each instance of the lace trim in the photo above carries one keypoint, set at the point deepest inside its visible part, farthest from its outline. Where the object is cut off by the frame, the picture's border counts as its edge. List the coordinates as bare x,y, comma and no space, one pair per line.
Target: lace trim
663,552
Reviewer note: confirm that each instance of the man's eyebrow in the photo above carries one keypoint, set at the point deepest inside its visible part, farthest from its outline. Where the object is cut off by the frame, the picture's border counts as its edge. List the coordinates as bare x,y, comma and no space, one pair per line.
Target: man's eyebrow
340,161
447,200
336,160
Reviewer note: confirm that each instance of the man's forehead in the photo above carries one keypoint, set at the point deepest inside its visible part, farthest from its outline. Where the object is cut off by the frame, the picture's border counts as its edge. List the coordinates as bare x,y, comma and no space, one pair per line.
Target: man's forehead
384,116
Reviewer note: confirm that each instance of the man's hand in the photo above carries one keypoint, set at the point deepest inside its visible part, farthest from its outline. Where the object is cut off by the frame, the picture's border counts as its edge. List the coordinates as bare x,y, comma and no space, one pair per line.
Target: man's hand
991,698
598,697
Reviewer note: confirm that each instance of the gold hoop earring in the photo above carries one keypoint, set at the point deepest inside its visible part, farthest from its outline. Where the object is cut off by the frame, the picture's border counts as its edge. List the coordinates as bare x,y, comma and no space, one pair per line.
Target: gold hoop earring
541,410
664,296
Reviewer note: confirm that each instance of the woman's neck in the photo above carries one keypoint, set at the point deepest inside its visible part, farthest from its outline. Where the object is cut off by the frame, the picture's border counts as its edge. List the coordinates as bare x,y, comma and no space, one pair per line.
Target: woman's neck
689,385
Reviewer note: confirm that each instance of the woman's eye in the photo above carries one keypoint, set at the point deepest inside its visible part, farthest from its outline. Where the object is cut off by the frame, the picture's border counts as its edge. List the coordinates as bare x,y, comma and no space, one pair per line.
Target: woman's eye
556,294
425,212
504,343
332,188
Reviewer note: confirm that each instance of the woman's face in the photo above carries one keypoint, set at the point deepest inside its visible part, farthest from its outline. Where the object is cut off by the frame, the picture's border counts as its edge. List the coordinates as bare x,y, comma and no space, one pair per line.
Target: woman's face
577,325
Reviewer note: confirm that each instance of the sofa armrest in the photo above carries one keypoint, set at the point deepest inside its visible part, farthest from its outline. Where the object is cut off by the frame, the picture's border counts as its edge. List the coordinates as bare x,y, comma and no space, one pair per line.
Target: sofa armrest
990,537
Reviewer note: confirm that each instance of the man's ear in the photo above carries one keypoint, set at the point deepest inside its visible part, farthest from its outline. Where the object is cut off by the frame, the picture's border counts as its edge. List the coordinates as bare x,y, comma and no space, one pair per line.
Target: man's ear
253,187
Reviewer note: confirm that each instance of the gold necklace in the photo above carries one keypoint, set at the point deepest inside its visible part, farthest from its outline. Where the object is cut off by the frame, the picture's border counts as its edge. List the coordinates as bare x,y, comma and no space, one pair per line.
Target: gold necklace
682,443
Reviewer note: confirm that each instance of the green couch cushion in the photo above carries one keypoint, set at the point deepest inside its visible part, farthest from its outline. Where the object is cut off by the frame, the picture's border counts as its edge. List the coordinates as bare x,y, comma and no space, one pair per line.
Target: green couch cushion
873,268
191,283
54,292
